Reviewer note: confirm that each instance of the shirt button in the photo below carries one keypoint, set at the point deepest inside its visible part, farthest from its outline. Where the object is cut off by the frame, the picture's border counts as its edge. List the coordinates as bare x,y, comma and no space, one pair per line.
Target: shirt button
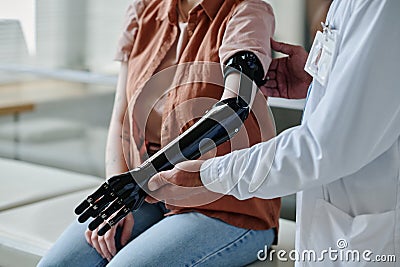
190,32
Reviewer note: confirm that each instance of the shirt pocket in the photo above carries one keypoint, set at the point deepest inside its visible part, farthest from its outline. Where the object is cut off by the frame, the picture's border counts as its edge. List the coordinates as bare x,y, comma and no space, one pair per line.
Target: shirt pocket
333,229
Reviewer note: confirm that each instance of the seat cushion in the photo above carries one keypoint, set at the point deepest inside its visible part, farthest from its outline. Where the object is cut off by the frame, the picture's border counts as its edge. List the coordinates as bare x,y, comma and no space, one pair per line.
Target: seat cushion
24,183
41,130
83,154
27,232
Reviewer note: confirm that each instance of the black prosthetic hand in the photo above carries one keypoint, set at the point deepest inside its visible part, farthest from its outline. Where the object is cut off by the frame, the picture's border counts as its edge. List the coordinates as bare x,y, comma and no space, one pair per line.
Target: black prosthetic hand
121,194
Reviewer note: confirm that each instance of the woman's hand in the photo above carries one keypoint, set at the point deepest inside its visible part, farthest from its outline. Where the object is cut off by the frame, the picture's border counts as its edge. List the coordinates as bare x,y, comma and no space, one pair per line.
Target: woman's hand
115,164
105,245
286,75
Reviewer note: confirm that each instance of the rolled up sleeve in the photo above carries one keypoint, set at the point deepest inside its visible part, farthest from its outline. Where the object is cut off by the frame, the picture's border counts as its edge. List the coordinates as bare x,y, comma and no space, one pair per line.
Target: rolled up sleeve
356,121
249,29
129,31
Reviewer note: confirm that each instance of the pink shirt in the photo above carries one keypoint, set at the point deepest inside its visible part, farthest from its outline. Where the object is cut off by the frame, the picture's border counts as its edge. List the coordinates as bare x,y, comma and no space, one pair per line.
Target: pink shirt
156,38
243,30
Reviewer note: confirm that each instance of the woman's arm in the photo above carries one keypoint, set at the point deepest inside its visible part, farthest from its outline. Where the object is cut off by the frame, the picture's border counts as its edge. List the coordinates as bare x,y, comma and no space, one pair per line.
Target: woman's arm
118,137
220,124
249,31
117,141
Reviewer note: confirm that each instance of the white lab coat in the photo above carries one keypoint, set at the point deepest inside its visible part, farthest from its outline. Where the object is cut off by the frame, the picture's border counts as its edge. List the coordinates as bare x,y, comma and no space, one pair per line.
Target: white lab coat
344,159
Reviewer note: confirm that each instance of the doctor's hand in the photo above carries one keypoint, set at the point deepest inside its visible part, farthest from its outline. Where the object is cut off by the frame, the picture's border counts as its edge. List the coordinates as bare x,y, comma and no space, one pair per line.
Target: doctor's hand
105,245
181,186
286,76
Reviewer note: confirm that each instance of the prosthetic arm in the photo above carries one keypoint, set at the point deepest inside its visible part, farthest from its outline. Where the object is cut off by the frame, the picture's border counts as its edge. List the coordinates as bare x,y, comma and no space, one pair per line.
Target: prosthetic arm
122,193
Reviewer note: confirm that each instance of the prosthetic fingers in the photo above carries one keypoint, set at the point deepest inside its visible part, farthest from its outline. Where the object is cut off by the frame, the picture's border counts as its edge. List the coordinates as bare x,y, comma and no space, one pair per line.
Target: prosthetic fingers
125,192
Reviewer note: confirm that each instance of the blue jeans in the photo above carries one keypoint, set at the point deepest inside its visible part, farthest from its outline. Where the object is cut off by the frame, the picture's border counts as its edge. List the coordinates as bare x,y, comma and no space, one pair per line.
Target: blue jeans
189,239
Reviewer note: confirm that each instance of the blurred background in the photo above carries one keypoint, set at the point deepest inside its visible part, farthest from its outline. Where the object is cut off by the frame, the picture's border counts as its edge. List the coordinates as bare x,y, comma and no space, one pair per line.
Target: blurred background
57,85
57,75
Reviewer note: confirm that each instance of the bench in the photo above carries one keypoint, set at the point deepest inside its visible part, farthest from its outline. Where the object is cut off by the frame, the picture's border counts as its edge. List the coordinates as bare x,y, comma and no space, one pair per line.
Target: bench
36,205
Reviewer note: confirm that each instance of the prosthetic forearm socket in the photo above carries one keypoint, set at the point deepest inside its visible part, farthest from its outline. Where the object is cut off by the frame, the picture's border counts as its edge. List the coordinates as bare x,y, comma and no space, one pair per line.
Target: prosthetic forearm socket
121,194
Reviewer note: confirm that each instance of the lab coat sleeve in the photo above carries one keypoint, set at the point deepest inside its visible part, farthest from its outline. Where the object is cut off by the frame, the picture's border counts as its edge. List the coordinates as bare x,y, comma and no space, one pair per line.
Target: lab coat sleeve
356,120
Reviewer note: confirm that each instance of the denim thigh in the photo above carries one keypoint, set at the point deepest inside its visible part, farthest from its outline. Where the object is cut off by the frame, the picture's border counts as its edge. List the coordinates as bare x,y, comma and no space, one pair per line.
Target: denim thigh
193,239
71,248
190,239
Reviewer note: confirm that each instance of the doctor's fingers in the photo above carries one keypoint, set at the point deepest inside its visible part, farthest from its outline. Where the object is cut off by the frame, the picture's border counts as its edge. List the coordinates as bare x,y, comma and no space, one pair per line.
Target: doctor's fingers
273,84
271,75
185,196
159,180
274,64
151,200
270,92
270,80
185,174
285,48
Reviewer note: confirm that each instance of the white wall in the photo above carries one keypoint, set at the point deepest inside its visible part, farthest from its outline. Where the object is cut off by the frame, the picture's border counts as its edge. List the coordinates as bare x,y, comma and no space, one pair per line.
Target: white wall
84,33
76,33
290,20
24,12
104,25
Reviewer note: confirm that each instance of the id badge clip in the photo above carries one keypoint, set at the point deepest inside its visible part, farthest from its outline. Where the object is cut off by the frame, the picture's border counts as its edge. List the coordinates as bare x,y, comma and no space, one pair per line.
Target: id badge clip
321,57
